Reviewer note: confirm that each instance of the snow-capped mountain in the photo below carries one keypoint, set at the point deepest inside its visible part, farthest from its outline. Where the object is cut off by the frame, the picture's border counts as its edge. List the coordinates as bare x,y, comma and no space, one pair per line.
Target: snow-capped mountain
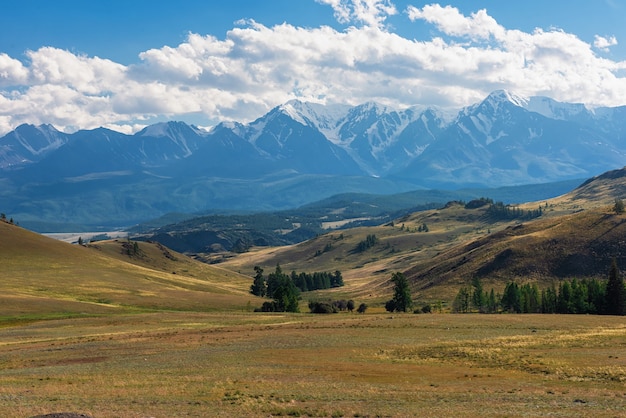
505,139
501,141
28,144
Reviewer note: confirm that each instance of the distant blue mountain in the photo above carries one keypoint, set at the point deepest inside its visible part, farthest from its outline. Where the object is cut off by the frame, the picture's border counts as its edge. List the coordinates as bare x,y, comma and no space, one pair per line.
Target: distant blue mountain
300,152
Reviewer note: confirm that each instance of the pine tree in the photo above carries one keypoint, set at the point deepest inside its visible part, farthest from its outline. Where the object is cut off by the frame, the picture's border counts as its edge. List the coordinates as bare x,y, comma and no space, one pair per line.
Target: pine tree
615,292
402,301
479,298
258,287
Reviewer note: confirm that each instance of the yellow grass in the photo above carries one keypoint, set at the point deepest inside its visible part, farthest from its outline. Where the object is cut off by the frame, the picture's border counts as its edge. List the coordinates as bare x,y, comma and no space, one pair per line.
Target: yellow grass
42,275
259,365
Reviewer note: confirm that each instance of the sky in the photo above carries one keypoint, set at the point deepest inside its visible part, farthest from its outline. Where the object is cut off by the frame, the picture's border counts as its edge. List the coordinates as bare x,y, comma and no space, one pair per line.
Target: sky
123,64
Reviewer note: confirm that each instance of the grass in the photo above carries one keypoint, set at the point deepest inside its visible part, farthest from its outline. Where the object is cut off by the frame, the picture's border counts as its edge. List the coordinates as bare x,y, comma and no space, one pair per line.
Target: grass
349,365
42,276
94,330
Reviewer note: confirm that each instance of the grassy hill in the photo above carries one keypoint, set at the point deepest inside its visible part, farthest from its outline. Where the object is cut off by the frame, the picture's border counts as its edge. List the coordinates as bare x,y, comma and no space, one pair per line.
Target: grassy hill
578,245
440,250
41,275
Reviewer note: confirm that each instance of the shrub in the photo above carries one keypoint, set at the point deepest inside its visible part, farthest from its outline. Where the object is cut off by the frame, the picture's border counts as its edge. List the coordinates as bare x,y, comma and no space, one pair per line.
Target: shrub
322,307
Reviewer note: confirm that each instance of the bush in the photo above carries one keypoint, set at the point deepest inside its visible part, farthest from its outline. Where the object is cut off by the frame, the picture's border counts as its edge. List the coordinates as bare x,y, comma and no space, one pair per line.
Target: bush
322,308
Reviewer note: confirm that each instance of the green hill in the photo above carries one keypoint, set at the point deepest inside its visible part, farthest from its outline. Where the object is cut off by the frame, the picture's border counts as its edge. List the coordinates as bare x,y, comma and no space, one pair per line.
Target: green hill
41,275
573,235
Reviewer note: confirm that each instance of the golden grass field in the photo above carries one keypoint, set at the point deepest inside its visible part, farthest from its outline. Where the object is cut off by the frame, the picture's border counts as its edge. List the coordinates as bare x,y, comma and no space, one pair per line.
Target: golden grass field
180,364
92,329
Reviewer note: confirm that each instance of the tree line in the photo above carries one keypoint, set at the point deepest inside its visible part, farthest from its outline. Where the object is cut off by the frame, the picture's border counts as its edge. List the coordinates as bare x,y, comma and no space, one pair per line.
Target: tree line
326,307
285,289
586,296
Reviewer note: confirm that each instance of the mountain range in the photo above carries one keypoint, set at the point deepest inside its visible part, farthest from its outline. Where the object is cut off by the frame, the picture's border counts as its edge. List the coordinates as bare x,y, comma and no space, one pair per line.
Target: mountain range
301,152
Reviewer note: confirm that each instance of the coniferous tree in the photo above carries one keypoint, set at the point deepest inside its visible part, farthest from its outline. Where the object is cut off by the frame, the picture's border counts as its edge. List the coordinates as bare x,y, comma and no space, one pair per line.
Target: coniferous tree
286,296
461,303
258,287
274,279
549,300
564,298
479,298
402,301
512,298
337,279
615,292
492,304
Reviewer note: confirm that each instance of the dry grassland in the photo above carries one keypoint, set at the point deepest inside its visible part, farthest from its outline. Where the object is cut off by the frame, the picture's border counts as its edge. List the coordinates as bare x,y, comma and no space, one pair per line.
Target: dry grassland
245,364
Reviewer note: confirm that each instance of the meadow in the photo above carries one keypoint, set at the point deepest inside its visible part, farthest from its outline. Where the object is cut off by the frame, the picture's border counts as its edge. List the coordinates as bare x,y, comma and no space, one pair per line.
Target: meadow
226,364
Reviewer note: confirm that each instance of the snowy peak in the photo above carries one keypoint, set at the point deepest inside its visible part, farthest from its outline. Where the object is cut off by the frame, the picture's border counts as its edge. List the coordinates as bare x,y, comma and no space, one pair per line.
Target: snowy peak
544,106
172,129
552,109
28,144
524,138
502,96
184,137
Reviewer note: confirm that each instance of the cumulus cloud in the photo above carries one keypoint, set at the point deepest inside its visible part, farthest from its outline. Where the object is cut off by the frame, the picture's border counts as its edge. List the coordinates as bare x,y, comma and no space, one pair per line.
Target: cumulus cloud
603,43
369,12
448,19
256,67
12,72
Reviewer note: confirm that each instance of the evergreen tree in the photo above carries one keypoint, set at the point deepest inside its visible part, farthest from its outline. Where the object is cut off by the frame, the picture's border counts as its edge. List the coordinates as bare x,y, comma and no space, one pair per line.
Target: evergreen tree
258,287
336,280
479,298
274,279
492,304
402,301
596,296
618,207
286,296
564,298
579,303
461,303
283,290
549,300
512,298
615,292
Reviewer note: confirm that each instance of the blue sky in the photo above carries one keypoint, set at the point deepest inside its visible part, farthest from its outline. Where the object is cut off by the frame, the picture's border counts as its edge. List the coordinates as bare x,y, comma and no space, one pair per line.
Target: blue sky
124,64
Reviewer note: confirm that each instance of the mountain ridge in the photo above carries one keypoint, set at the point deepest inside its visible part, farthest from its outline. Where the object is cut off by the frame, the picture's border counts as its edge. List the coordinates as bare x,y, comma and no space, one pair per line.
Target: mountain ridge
504,140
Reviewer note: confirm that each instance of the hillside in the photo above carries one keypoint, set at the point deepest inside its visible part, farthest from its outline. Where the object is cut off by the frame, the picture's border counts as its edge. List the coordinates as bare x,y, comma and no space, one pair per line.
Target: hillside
578,245
400,245
42,275
218,233
576,235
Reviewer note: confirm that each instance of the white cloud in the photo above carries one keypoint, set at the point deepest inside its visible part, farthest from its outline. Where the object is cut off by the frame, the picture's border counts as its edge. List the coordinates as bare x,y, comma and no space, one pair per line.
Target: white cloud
448,19
369,12
12,72
256,67
603,43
